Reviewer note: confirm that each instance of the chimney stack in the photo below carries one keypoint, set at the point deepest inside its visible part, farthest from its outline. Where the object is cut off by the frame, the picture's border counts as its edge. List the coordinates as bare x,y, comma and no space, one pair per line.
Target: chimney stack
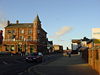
17,21
8,22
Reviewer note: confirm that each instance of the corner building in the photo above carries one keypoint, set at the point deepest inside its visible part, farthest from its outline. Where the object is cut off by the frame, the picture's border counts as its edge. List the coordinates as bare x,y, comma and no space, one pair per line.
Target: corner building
25,37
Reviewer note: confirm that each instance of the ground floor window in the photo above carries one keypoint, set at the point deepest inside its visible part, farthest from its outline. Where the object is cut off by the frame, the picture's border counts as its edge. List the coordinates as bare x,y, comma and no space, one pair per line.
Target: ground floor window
10,48
31,48
7,48
19,48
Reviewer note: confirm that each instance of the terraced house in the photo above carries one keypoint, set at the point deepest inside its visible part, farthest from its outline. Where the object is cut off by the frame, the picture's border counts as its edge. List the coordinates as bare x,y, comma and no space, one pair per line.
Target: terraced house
25,37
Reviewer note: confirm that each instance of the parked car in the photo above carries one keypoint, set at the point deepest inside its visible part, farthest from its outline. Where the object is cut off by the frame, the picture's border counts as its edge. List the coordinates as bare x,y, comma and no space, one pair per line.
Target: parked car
34,57
6,54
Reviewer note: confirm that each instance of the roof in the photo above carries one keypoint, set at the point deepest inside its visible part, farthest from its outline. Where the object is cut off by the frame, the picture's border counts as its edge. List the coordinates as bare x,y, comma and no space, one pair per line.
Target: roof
20,25
37,19
57,45
85,39
76,41
91,40
83,48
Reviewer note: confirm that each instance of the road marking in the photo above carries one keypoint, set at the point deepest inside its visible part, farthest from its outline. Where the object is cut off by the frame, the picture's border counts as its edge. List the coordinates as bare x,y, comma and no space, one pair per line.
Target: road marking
5,62
20,73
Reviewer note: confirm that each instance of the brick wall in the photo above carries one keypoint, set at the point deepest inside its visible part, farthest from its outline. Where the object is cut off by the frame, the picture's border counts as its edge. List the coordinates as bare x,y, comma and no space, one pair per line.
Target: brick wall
94,59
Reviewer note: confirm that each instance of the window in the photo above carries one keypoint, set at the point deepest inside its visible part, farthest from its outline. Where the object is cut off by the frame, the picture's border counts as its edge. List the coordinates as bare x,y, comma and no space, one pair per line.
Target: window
12,48
22,31
31,48
38,31
13,31
21,38
30,31
7,48
13,36
29,38
8,31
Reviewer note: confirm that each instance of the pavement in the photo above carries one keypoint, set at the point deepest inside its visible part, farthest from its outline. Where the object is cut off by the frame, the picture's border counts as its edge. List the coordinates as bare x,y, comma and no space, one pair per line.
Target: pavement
65,65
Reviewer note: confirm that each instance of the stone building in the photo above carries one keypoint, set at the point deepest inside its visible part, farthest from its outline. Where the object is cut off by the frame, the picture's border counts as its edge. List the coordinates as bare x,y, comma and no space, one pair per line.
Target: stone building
58,48
25,37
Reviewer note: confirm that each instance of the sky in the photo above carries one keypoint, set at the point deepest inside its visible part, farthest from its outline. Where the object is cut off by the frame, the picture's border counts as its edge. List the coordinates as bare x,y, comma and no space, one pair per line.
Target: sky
63,20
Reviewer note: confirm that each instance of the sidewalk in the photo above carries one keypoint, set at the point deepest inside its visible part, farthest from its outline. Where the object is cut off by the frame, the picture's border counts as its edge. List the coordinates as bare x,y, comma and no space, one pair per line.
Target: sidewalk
63,66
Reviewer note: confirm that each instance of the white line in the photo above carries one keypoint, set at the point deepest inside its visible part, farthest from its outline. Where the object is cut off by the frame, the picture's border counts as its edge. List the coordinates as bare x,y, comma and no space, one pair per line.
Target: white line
20,73
5,62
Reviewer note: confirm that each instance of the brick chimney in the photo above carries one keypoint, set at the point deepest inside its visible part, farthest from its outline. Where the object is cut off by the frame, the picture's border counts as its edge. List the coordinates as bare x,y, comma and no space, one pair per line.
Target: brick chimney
17,21
8,22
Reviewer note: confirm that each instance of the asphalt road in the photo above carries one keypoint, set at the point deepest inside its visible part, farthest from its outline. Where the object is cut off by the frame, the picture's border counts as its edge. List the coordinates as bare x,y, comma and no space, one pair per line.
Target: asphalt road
16,65
65,65
13,65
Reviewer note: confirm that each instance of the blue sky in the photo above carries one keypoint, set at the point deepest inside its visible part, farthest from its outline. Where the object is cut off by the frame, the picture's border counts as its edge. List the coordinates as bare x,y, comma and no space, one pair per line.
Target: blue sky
65,19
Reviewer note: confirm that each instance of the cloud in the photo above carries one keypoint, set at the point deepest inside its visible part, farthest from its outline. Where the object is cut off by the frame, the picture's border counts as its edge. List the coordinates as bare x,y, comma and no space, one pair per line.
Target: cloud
64,30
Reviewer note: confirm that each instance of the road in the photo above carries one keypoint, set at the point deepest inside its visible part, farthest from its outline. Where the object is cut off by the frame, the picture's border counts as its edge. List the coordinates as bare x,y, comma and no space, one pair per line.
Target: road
65,65
16,65
13,65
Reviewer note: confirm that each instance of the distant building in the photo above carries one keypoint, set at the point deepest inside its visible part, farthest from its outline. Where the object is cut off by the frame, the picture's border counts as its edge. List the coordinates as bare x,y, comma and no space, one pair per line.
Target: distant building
84,43
76,43
57,48
96,36
25,37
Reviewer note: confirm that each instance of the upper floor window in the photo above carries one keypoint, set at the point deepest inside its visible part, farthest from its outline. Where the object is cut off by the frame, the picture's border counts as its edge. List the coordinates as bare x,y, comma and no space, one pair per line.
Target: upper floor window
21,38
30,31
22,31
13,31
38,31
29,38
8,31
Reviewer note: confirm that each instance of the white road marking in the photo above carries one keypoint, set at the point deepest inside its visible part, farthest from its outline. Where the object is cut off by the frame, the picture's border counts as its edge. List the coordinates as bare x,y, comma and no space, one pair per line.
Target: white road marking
20,73
5,62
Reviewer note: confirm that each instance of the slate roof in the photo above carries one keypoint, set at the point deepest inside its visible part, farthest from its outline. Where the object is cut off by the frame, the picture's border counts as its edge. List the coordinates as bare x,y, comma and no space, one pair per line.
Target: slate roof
20,25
